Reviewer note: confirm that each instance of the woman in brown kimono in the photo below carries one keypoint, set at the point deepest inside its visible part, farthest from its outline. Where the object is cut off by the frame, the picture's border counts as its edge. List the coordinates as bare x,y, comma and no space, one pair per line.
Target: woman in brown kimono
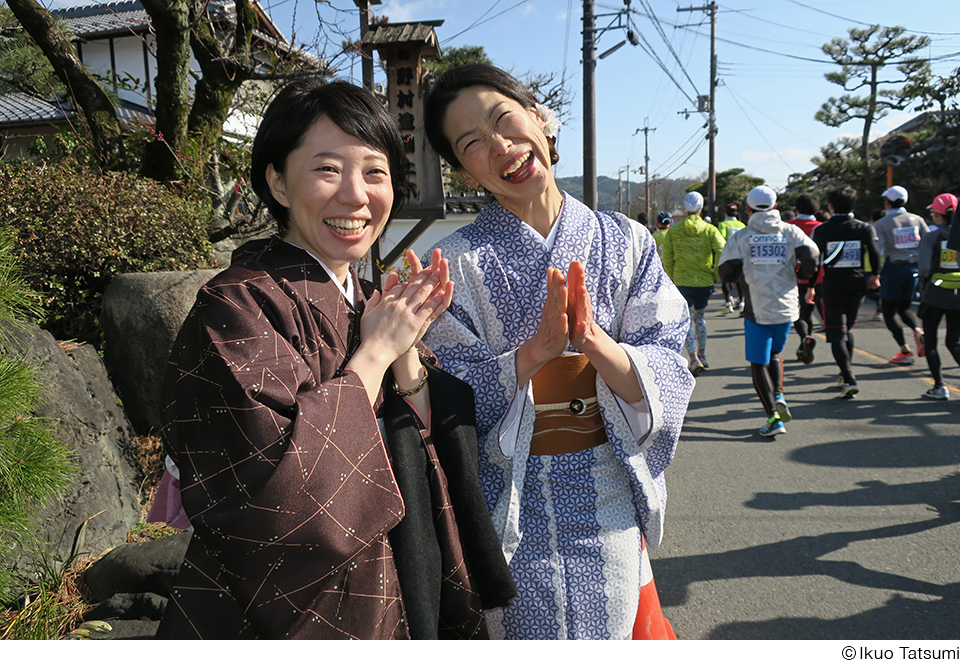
310,519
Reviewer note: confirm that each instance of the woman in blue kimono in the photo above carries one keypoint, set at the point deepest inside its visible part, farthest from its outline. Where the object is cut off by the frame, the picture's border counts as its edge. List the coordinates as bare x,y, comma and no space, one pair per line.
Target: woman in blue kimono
570,333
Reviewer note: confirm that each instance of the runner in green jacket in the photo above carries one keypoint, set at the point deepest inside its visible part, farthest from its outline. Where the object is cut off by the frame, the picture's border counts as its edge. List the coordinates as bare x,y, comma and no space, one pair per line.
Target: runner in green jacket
691,250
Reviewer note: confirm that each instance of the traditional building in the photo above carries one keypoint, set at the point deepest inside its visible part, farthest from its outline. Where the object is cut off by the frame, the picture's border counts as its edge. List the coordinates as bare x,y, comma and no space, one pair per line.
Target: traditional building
115,41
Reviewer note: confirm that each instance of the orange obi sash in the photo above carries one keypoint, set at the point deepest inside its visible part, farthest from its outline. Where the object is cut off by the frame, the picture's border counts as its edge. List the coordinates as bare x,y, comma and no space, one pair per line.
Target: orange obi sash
567,413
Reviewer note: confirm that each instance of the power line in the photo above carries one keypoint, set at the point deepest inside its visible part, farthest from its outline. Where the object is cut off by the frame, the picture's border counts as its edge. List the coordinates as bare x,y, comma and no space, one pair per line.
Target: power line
852,20
757,128
693,153
938,58
772,52
734,93
746,12
648,49
479,22
677,154
663,35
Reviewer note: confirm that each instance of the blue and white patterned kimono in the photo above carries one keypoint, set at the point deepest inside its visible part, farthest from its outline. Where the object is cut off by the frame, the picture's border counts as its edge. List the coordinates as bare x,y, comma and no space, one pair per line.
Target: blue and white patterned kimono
570,524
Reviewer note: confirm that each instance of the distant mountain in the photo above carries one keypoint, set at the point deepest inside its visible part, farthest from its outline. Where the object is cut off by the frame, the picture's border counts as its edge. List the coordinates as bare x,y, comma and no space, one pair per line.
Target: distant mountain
607,190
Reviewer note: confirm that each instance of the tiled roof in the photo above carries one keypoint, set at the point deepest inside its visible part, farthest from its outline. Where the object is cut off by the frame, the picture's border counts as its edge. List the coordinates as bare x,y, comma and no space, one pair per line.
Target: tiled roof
465,205
19,109
113,18
102,19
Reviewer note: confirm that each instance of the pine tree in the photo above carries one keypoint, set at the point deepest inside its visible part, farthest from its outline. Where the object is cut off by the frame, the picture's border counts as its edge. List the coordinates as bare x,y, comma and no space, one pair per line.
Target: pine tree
34,465
862,57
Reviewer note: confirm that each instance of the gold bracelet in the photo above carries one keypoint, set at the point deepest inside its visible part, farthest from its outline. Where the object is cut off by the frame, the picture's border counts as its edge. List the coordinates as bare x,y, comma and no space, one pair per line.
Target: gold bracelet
420,386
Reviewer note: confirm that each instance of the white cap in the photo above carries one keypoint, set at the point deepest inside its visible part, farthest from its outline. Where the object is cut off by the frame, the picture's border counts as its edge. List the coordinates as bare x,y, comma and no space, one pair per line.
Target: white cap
762,198
896,194
692,202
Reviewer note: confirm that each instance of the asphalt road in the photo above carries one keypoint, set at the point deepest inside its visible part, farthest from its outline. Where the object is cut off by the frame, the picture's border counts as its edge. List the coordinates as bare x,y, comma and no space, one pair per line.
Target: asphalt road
847,527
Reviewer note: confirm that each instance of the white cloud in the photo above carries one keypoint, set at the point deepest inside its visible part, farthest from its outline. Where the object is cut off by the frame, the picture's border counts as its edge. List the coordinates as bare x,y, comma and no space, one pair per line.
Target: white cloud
789,155
412,10
528,9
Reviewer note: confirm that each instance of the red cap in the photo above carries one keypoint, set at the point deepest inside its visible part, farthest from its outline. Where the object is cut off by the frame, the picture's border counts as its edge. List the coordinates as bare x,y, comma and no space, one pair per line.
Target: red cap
943,202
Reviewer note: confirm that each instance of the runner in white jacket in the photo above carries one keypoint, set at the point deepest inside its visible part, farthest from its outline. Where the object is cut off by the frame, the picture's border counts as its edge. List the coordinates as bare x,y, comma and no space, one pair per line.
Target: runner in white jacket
765,259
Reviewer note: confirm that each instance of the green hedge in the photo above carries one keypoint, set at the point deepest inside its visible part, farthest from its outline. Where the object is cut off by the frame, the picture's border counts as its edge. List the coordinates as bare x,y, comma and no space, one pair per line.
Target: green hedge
78,229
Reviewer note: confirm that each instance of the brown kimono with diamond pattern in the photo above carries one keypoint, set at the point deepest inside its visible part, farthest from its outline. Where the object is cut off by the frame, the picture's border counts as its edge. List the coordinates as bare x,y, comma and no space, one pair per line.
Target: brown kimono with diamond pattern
288,482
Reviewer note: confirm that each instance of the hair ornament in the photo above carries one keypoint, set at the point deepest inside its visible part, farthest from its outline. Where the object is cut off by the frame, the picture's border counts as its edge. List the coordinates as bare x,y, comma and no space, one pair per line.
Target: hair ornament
550,121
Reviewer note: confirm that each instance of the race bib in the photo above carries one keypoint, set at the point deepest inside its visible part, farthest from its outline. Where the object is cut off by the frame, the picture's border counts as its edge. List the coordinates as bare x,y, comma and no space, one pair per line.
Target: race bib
948,258
848,254
768,249
906,237
732,231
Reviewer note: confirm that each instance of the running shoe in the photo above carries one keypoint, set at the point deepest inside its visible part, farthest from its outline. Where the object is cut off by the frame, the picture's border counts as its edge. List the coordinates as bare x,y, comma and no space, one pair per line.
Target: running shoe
841,381
939,393
774,426
696,366
903,358
727,309
849,390
918,339
703,361
805,352
878,316
782,410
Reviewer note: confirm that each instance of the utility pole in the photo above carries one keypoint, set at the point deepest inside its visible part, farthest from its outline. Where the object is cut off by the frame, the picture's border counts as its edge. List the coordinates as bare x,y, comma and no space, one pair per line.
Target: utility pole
712,123
620,194
620,190
646,164
589,108
628,190
621,19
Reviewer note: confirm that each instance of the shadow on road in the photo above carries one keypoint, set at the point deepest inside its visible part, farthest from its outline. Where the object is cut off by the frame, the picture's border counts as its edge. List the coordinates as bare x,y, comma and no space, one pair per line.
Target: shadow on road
900,618
885,428
939,493
908,618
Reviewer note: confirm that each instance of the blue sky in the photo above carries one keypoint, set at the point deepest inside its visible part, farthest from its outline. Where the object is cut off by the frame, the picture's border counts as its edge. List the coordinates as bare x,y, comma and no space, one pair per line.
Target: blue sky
770,66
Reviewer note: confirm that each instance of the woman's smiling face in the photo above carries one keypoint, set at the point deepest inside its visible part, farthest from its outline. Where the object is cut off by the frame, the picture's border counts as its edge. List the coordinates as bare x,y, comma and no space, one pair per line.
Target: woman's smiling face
499,143
339,192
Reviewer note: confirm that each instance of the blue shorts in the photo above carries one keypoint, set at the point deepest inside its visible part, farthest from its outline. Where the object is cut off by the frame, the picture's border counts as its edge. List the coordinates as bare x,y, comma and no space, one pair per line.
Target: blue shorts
762,341
898,281
696,296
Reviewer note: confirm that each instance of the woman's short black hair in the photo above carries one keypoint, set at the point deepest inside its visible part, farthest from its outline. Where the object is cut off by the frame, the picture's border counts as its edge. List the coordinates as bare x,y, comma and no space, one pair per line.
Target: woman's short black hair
296,107
453,81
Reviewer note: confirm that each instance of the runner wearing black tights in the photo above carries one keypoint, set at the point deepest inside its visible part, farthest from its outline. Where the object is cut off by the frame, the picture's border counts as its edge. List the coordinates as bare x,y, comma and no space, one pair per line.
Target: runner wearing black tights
845,244
939,271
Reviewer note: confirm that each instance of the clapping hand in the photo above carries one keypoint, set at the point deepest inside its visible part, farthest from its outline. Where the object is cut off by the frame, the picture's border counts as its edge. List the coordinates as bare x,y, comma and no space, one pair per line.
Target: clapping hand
579,307
397,317
444,289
